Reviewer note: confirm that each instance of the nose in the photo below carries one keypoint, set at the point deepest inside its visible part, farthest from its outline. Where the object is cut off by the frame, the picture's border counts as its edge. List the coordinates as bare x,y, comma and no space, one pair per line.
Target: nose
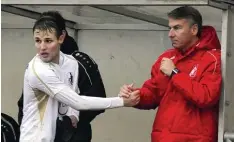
43,46
171,33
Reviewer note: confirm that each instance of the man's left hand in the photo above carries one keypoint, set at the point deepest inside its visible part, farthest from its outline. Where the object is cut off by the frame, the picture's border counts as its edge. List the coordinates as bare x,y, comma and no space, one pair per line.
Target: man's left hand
74,121
167,66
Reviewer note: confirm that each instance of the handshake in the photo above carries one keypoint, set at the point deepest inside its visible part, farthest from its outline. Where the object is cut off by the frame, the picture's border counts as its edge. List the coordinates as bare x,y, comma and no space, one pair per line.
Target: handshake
130,95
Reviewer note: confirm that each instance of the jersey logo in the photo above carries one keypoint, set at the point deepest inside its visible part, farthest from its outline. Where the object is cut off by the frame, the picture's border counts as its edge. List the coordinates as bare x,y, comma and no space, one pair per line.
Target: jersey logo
70,78
193,71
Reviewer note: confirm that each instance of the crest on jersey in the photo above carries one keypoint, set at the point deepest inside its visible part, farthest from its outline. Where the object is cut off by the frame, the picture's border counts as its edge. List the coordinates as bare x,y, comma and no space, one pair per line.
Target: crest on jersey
70,79
193,71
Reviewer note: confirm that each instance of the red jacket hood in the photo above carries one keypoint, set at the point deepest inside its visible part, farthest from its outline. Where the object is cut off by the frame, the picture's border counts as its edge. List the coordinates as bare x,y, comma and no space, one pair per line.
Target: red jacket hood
208,39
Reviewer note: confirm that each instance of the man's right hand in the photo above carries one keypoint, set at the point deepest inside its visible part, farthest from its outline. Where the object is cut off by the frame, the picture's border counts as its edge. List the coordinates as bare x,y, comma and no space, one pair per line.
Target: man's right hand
133,99
126,90
130,95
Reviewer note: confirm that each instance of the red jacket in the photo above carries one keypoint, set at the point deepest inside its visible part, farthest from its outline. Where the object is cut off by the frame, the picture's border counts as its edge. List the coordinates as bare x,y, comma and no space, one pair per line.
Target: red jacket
188,102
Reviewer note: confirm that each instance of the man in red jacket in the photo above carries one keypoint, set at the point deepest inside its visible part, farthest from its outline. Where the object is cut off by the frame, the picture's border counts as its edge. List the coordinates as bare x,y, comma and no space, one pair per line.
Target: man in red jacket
185,82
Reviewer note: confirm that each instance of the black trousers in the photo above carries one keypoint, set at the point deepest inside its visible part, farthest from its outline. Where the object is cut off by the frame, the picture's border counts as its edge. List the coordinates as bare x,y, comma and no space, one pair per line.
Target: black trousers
83,133
66,133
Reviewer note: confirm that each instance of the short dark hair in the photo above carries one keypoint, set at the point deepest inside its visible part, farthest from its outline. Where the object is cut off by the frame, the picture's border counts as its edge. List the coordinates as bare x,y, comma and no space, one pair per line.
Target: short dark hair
190,13
58,17
48,23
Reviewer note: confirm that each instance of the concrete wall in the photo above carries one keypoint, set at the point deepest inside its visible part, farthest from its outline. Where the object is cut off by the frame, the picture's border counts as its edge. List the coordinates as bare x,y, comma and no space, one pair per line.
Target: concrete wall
17,50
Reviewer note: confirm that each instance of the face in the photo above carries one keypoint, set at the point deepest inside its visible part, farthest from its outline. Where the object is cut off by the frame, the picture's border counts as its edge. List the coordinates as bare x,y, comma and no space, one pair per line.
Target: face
182,33
48,45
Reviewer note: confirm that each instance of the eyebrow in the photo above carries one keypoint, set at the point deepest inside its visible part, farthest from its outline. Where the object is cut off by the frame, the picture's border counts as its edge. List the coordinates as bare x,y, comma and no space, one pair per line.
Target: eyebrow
44,38
175,26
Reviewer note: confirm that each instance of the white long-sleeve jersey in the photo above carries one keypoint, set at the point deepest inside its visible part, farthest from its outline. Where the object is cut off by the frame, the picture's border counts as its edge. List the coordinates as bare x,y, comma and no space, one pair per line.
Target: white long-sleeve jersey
47,84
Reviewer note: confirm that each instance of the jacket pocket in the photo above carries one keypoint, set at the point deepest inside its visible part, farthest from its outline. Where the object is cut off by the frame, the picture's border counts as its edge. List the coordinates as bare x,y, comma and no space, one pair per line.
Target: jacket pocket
186,121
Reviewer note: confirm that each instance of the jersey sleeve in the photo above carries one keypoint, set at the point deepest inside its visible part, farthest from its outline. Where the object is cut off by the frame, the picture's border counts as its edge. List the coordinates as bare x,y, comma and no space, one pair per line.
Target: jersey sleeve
47,81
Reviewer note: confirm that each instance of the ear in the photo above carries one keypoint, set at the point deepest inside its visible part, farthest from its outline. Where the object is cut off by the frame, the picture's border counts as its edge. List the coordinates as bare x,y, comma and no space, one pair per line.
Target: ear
194,29
62,37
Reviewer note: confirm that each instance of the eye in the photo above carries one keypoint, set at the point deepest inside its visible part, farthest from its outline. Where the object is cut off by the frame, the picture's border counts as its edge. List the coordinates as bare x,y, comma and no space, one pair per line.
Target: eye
176,27
48,41
38,41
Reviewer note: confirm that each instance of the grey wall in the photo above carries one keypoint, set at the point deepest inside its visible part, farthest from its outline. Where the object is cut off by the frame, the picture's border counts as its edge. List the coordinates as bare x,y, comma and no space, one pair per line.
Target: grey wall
17,50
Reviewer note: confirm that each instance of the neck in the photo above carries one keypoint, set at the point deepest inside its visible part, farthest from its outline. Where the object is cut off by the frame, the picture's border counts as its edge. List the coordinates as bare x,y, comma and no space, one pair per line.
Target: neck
56,59
194,41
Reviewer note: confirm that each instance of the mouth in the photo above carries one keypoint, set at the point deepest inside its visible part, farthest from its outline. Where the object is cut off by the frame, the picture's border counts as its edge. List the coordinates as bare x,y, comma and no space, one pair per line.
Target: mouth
44,55
173,41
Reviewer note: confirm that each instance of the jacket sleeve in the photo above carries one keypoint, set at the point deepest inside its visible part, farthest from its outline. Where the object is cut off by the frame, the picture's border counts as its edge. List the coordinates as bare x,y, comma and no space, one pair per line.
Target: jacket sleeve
153,89
203,93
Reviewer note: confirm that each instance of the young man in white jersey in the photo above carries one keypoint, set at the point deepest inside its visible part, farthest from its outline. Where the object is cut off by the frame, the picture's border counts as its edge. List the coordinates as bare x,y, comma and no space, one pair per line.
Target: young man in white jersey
50,78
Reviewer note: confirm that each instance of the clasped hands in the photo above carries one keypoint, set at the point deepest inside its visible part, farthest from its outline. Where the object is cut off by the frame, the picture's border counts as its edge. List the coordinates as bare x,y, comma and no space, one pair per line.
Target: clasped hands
130,95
